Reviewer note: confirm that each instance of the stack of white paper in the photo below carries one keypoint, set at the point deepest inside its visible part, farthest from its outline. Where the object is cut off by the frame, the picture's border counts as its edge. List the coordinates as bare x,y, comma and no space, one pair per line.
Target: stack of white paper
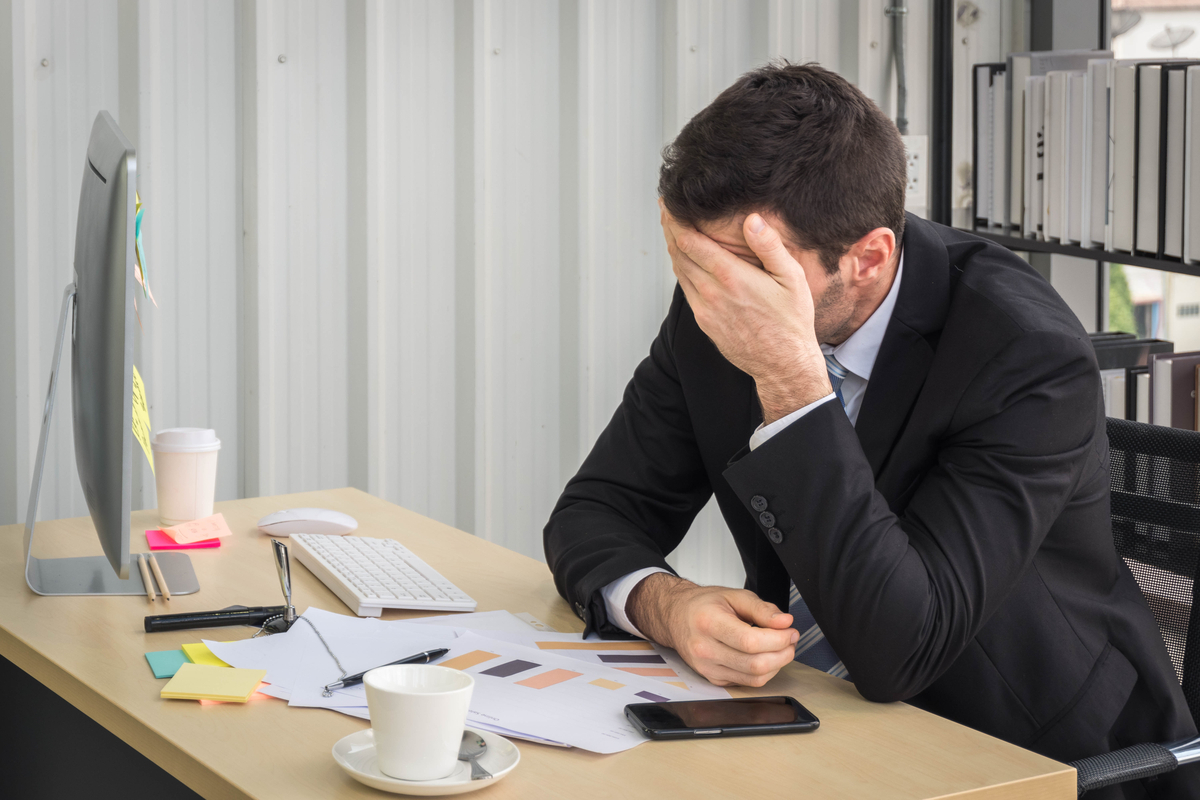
546,687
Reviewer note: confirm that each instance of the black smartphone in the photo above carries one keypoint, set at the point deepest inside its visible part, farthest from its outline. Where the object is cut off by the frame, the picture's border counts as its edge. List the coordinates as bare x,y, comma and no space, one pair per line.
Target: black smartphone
737,716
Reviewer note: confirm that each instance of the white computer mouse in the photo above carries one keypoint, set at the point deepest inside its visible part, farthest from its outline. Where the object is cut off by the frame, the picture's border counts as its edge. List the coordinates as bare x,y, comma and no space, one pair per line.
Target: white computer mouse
307,520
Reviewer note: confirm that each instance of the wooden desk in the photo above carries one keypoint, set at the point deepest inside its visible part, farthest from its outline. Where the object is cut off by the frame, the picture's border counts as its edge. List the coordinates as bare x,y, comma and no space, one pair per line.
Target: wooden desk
89,650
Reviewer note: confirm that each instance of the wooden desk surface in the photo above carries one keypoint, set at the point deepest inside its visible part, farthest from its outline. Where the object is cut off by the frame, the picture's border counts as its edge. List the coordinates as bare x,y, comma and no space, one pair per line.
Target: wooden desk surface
90,651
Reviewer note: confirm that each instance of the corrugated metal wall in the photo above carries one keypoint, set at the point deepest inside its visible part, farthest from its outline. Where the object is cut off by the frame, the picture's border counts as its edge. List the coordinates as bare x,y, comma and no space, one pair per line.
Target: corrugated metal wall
410,246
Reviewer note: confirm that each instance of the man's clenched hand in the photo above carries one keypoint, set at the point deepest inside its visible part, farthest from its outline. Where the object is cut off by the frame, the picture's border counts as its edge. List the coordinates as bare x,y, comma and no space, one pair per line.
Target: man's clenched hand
729,636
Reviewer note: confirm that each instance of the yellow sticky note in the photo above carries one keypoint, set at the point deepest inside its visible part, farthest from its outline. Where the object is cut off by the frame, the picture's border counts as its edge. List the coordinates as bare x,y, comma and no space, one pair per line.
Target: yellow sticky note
201,682
141,418
198,653
198,530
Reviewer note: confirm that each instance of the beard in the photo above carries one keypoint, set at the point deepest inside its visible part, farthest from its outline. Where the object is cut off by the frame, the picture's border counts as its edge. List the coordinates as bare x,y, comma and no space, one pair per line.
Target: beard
833,312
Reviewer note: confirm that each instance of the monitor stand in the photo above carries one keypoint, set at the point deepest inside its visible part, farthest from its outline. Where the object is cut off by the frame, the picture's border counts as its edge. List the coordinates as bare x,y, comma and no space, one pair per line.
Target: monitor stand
86,575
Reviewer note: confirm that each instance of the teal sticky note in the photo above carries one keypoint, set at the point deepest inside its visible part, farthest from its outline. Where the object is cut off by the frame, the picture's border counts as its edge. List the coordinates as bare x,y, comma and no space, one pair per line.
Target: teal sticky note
166,662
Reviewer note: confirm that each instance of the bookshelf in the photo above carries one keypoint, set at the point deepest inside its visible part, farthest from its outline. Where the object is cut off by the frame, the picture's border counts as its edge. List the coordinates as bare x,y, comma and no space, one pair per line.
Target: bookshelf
1092,253
1042,36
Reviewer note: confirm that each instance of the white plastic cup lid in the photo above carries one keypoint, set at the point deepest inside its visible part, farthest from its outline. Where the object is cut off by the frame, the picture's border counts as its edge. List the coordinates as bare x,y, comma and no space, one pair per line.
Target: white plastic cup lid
185,440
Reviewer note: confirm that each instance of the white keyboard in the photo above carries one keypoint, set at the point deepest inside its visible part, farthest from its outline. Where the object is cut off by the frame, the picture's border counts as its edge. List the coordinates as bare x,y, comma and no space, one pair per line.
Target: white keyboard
370,575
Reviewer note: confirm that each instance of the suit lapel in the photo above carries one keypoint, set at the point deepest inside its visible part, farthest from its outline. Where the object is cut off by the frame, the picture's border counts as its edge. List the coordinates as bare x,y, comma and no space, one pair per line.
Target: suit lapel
906,353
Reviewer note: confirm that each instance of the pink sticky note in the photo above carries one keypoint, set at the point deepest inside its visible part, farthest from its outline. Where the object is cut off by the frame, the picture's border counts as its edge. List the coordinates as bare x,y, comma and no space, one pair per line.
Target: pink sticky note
160,541
199,529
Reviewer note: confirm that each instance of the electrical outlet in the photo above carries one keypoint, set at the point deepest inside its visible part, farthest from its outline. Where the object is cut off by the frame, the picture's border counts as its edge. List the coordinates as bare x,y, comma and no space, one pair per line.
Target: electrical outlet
916,192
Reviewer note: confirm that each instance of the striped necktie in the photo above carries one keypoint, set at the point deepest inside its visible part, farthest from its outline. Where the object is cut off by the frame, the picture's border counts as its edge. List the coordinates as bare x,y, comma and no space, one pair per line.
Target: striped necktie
837,374
813,649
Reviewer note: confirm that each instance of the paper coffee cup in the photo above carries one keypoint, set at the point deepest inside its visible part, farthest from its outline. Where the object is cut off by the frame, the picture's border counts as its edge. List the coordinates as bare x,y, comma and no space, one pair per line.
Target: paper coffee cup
418,712
185,473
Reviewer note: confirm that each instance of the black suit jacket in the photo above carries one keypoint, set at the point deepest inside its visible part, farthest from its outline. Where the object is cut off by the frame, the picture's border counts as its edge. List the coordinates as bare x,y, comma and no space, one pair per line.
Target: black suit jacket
955,547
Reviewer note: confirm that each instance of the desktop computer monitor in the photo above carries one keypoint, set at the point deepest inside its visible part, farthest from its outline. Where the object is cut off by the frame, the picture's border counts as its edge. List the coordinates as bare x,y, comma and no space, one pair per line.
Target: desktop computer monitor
101,332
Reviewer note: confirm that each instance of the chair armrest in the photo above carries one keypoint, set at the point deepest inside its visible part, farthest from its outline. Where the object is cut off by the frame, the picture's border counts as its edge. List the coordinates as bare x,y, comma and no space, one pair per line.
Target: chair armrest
1127,764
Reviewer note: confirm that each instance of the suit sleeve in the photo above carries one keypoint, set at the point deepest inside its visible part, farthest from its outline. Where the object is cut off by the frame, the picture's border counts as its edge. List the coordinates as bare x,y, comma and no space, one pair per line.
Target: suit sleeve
900,597
637,493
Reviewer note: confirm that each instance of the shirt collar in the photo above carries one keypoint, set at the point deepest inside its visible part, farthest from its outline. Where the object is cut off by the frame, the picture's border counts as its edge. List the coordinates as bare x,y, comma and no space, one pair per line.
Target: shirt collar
857,354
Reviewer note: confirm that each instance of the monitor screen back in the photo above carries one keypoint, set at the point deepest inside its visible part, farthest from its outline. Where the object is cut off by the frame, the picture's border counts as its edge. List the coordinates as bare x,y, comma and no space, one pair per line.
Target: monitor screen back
102,336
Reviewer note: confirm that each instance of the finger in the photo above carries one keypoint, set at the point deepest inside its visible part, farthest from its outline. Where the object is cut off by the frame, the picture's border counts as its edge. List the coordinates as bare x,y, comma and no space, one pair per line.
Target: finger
706,253
754,609
739,635
686,269
768,246
744,673
689,288
751,665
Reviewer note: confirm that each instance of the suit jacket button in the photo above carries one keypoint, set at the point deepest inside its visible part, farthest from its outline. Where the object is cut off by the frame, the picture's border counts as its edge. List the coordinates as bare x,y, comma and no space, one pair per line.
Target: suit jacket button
579,610
767,519
758,503
775,535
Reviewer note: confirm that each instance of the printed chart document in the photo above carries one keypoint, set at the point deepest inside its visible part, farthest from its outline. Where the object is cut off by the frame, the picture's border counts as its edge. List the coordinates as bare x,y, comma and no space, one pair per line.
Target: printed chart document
554,688
550,696
641,658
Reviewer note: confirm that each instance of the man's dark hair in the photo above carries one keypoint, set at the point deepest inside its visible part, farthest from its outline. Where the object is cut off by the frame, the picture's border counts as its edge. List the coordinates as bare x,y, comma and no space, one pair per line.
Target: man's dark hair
794,140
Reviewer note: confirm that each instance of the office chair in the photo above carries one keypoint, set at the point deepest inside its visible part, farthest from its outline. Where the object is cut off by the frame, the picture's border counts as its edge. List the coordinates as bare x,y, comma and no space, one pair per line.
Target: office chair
1155,486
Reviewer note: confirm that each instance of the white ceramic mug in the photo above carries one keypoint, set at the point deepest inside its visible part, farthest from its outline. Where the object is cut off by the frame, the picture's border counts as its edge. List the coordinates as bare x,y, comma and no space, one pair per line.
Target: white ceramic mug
185,473
418,712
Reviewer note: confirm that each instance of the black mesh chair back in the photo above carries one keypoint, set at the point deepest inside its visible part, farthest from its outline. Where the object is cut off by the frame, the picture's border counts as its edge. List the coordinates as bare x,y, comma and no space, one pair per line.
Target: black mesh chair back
1155,481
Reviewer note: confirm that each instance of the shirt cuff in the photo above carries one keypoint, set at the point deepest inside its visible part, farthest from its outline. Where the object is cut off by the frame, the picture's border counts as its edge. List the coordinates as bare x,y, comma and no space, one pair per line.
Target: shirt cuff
762,434
616,594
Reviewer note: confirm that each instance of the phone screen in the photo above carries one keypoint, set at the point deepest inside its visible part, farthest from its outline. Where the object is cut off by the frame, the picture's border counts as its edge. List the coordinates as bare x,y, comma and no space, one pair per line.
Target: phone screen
732,713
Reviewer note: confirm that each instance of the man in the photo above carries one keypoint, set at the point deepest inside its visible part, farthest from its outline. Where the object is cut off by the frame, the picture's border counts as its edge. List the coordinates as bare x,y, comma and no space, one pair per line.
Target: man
903,427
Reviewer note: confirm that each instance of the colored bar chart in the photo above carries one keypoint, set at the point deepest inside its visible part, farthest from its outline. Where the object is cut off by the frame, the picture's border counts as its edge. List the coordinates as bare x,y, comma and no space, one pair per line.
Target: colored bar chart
605,646
651,672
605,683
468,660
511,668
554,676
631,659
652,697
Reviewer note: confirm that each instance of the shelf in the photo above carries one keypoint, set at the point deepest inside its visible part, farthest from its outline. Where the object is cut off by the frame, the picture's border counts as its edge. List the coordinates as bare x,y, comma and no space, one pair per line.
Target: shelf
1091,253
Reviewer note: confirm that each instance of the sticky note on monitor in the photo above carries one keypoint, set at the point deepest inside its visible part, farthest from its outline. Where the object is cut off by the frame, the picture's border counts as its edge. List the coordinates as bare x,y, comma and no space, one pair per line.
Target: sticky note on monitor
198,653
141,418
202,682
197,530
157,540
166,663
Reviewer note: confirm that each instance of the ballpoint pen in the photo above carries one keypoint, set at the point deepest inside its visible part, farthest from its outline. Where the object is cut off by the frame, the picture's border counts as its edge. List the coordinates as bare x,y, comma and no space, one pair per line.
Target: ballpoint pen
353,680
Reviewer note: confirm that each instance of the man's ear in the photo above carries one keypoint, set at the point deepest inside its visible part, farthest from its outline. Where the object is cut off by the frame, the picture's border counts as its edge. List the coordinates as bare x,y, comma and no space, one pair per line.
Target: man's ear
870,255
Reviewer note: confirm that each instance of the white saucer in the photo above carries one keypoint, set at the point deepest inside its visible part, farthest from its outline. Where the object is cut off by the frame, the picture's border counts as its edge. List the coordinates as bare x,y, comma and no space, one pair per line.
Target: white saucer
356,755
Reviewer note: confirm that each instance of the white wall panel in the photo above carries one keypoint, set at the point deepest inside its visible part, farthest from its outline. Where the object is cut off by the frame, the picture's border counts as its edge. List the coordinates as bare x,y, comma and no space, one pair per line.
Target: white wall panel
517,270
299,269
876,68
55,103
622,292
188,177
804,30
410,254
